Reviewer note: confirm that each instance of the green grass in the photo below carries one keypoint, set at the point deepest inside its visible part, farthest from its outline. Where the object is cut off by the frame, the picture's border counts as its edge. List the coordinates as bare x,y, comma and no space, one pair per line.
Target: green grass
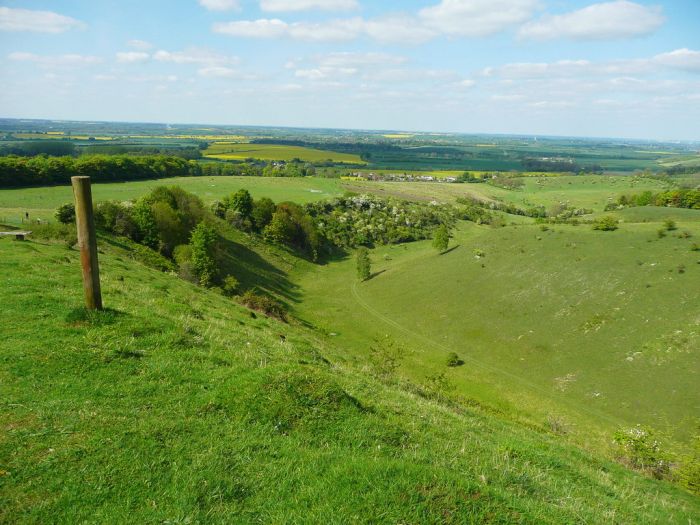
237,151
600,328
42,202
175,406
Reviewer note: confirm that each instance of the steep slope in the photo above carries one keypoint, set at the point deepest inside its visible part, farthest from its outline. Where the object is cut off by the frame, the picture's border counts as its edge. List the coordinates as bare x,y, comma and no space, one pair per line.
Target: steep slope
177,406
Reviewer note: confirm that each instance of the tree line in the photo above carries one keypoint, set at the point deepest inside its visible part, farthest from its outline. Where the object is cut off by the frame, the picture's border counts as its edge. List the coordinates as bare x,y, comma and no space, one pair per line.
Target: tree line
677,198
20,172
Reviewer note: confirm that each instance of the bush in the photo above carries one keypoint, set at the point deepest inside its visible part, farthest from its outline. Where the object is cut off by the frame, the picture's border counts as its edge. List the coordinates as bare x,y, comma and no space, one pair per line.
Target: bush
203,243
454,360
689,471
230,286
116,218
670,225
441,238
606,223
65,213
265,304
385,357
639,449
263,210
364,266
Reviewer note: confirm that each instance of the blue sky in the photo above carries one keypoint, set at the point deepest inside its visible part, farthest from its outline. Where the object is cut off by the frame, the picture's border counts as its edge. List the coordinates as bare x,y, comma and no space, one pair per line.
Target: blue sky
558,67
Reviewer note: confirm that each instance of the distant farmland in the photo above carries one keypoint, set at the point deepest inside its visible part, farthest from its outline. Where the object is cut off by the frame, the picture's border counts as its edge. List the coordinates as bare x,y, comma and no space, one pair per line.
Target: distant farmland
237,151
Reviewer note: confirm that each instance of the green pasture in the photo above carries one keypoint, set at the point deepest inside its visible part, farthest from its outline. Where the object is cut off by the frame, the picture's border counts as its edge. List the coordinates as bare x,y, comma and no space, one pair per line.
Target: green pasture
598,328
175,405
42,202
237,151
582,191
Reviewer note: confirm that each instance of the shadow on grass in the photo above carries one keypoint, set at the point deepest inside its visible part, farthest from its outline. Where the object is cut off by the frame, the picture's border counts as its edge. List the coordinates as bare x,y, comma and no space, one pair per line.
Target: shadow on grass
82,316
450,249
254,272
376,274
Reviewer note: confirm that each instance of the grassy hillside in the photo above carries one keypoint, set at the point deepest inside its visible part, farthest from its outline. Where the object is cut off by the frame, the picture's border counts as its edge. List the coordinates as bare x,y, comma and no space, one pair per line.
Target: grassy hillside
175,405
600,329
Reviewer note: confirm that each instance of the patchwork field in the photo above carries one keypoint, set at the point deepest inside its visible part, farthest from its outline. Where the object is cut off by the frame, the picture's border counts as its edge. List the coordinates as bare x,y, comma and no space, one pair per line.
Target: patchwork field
237,151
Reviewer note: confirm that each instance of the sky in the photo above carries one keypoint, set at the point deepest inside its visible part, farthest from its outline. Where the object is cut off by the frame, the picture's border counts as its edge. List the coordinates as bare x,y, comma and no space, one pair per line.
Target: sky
616,68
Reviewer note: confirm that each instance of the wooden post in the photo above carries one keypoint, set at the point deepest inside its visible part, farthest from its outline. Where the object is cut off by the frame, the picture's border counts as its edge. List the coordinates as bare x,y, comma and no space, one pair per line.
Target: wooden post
87,242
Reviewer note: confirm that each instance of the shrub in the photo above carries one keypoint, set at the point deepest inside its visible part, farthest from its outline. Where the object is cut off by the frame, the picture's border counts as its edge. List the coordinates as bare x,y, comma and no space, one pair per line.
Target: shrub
606,223
152,258
203,243
265,304
454,360
670,225
65,213
441,238
385,357
230,286
182,254
638,448
661,233
116,218
689,471
263,209
364,266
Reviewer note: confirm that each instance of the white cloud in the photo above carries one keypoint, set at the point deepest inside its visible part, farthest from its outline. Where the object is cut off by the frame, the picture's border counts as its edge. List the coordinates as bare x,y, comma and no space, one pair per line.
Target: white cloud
219,5
218,72
68,59
470,18
685,59
36,21
140,45
603,21
330,31
461,18
303,5
348,59
130,57
262,28
398,29
194,56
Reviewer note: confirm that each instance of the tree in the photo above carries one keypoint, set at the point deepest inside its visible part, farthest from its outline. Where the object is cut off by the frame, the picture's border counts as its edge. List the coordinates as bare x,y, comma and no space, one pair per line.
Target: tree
65,213
203,242
441,239
263,210
241,201
364,265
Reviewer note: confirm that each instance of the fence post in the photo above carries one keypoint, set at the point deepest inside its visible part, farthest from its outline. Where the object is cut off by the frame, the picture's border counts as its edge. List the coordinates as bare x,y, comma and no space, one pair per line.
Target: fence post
87,242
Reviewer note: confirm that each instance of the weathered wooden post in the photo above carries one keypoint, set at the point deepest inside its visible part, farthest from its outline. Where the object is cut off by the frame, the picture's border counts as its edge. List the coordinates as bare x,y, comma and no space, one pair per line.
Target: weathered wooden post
87,242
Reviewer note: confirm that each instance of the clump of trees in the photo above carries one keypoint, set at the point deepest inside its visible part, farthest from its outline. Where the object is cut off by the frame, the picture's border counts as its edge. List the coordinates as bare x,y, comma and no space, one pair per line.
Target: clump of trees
677,198
364,220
